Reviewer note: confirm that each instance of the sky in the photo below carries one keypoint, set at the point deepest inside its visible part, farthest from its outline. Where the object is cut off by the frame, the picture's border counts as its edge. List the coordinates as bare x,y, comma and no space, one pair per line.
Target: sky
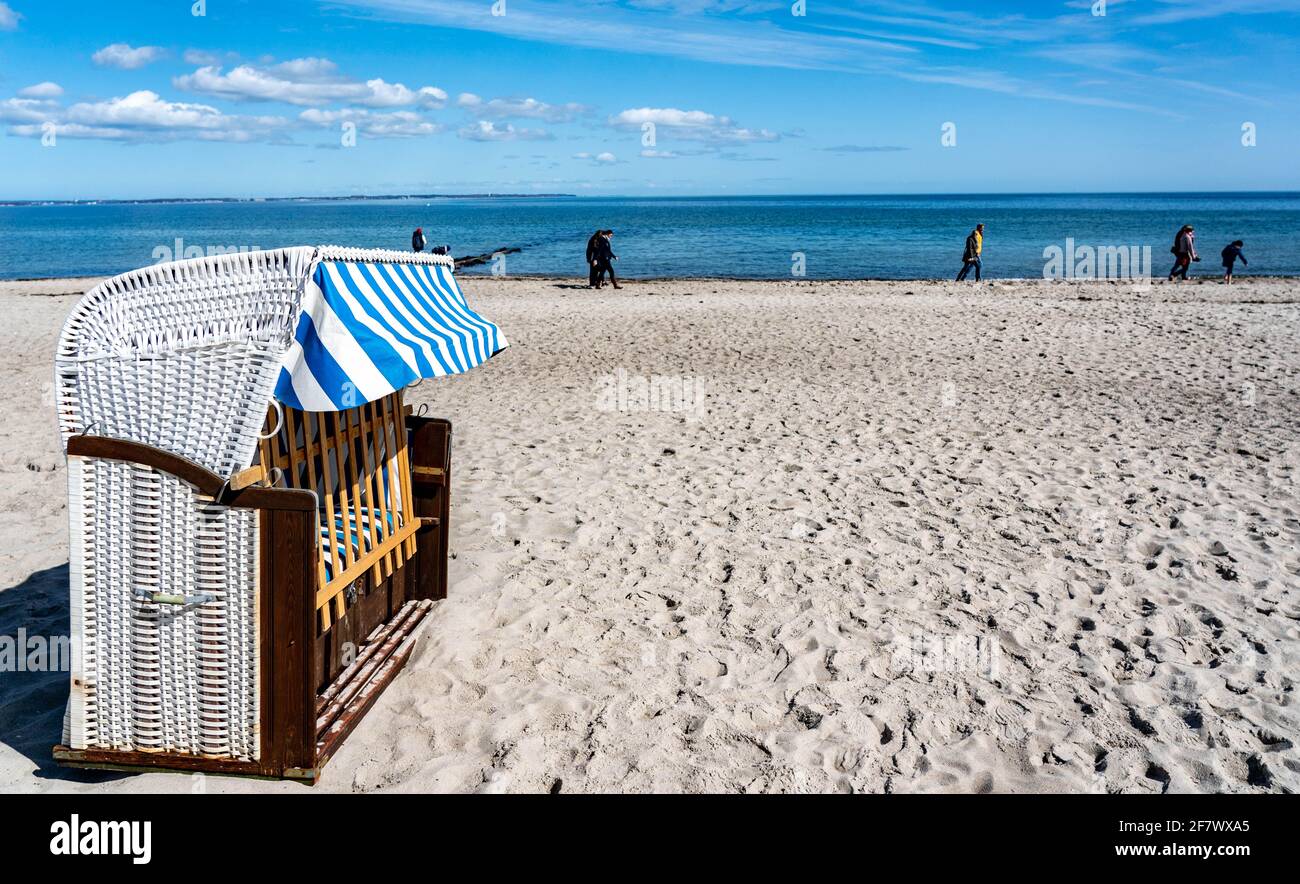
265,98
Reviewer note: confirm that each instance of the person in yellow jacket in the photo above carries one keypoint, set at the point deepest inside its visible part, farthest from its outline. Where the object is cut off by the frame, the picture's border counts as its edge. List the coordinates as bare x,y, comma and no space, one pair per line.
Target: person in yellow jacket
971,257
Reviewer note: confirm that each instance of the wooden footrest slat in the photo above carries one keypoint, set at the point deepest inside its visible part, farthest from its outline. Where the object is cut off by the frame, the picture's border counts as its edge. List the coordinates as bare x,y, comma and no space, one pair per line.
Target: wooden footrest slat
357,688
373,643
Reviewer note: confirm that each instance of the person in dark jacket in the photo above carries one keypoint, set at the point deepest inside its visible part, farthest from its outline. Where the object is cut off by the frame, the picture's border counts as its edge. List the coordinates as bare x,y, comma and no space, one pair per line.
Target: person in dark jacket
417,240
1184,250
1230,255
971,256
593,274
605,257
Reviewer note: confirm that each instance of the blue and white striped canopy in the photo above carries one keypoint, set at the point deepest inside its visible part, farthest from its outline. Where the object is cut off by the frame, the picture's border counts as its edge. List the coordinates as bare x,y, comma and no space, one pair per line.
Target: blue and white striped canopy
368,329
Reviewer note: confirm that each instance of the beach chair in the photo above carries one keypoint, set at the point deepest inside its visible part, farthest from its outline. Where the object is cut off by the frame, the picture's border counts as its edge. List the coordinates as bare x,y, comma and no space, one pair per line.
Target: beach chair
259,523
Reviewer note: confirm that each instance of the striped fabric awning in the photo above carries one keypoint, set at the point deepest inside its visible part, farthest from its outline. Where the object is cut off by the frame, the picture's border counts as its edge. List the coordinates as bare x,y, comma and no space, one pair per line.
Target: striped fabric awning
368,329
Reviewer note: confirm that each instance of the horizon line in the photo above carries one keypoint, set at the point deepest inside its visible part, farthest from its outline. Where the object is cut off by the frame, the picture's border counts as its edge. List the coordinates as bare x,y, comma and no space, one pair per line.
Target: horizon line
17,203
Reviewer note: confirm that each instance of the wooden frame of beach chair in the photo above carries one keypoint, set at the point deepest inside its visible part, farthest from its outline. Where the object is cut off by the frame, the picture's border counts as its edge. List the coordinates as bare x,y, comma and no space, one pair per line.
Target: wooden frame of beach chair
240,619
317,680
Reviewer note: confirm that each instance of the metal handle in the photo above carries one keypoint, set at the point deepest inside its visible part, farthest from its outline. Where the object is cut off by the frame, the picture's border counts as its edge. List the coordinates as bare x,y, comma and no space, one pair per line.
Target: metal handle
279,421
163,598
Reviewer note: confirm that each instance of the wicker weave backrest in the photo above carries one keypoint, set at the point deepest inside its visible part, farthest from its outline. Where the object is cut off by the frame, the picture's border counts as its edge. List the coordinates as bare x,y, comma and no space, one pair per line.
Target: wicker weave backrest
182,356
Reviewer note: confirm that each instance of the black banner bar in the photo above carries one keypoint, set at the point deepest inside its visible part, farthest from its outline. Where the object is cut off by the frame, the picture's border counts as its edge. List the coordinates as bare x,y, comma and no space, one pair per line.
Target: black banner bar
331,833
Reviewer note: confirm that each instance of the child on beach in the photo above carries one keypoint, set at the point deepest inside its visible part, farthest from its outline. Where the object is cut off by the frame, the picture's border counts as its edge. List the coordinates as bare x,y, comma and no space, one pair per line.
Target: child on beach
1230,255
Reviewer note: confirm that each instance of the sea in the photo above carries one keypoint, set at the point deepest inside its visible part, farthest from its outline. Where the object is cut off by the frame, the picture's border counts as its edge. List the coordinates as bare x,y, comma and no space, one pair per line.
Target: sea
814,237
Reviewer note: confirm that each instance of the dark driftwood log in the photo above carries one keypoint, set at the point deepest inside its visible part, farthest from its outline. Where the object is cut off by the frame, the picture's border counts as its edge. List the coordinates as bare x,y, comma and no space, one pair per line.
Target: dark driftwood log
475,260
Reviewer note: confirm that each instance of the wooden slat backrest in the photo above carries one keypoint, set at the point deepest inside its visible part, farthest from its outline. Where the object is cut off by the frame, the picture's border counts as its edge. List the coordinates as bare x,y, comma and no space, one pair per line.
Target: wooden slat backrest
357,463
370,447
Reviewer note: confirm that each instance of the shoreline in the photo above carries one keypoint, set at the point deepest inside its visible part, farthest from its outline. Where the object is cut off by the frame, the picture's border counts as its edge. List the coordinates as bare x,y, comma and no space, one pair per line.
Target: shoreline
9,285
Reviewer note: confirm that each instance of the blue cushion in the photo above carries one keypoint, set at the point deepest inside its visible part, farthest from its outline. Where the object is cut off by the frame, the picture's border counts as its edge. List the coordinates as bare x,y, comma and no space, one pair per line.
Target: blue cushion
349,536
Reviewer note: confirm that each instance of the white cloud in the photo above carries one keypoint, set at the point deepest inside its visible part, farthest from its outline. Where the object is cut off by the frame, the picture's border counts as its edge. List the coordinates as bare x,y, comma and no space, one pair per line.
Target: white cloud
732,156
667,116
147,109
70,130
122,55
42,90
127,134
695,7
8,18
1175,11
139,117
604,158
249,83
485,130
392,124
516,108
731,33
691,125
26,110
200,57
653,154
309,68
895,38
305,82
864,148
396,95
144,116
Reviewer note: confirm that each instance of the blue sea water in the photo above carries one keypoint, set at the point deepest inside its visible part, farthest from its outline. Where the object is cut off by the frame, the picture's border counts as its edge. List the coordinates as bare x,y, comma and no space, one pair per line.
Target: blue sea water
850,237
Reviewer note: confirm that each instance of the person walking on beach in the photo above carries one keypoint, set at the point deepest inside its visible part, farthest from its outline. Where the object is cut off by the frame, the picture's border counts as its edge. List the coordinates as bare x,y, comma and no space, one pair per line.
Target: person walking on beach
1184,250
971,257
417,240
1230,255
593,274
605,258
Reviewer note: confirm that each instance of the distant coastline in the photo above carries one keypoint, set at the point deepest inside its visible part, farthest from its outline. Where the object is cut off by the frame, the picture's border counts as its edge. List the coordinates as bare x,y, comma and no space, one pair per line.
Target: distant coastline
203,201
491,195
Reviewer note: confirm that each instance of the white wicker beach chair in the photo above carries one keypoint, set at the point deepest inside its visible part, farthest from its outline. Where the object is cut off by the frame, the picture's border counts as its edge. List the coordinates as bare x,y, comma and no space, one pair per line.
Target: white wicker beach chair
258,524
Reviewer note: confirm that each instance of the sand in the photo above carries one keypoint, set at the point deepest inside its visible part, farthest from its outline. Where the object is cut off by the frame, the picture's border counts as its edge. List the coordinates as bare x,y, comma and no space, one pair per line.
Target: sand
868,536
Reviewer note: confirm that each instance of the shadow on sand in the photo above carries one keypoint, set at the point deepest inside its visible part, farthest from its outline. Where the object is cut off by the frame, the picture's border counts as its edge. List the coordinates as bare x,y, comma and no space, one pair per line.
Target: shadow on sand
32,703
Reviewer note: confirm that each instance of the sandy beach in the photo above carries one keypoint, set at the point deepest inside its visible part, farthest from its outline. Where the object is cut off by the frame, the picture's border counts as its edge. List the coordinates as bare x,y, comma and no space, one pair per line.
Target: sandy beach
727,536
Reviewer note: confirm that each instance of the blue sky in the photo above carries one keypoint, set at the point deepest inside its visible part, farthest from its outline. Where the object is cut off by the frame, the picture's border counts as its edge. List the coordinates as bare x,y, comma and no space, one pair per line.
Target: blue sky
259,97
